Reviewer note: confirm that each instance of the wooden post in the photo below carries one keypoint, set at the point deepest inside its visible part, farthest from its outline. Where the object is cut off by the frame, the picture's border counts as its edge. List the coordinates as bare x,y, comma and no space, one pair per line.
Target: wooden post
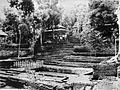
19,44
41,38
33,41
118,15
115,47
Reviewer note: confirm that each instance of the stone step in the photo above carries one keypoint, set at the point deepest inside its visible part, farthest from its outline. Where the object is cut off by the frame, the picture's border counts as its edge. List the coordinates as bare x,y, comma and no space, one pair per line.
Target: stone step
85,59
8,72
52,82
2,80
3,76
45,76
44,79
98,54
55,74
60,62
12,70
39,81
5,73
65,69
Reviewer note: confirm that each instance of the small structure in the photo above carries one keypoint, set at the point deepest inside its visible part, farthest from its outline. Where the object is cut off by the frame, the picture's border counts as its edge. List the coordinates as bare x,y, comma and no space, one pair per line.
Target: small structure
55,35
50,37
3,36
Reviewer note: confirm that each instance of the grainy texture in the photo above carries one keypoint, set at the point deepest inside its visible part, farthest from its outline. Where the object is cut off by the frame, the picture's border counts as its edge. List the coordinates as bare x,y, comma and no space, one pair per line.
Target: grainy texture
103,70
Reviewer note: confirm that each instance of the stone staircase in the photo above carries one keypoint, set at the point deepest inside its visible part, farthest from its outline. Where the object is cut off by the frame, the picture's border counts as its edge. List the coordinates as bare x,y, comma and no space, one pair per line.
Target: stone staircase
6,74
63,57
59,69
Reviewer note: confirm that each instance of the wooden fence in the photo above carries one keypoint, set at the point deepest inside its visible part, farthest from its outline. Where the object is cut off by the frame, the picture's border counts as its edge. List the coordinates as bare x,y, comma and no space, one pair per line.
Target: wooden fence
27,63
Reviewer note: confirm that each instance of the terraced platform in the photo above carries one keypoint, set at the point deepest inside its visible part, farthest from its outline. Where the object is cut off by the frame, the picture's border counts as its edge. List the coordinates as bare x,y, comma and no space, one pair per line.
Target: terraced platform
59,69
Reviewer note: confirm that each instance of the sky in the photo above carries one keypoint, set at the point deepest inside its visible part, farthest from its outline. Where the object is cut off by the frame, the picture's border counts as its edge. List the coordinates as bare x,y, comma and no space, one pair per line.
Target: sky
3,3
69,5
66,4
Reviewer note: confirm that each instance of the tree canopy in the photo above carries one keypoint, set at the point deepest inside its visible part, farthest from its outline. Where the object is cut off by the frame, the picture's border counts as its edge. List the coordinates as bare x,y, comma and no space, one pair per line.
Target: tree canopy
102,28
103,17
26,6
24,9
48,15
69,21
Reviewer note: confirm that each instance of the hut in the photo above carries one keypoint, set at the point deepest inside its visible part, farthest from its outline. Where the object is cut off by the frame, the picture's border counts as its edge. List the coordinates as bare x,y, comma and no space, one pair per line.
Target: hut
55,35
3,36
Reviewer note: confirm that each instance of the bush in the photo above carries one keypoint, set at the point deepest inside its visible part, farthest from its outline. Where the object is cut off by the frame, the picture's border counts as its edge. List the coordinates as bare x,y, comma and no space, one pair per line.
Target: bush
81,49
103,70
73,39
104,52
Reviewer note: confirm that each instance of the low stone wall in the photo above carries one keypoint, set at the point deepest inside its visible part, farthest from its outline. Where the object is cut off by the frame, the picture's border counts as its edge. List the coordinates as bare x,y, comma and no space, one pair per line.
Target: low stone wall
103,70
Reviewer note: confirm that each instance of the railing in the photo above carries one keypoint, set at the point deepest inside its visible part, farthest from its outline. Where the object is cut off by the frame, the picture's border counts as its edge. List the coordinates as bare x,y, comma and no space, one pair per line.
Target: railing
27,63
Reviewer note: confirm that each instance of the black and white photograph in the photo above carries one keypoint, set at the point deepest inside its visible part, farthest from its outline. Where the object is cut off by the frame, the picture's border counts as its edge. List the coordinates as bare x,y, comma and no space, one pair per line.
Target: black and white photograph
59,45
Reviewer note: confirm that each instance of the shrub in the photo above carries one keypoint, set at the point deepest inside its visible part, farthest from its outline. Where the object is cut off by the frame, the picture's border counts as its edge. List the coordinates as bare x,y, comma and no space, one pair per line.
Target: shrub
103,70
81,49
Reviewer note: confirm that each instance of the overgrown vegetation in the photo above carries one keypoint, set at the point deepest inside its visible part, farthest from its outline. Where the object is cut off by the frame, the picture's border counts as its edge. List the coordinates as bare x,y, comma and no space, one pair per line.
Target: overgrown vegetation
103,24
22,18
95,25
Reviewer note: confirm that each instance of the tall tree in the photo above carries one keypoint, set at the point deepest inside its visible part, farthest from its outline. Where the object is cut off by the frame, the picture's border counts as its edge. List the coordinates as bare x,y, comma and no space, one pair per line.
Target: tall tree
103,20
69,20
49,14
26,6
25,9
103,17
10,25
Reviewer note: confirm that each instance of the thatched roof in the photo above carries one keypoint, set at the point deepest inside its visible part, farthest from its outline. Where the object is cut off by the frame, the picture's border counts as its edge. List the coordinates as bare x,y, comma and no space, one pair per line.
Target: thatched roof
2,34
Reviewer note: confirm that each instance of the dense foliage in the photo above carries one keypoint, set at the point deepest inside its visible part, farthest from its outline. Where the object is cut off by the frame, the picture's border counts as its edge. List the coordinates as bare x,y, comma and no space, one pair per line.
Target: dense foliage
49,17
103,17
98,30
69,20
103,22
26,6
17,17
26,35
10,26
